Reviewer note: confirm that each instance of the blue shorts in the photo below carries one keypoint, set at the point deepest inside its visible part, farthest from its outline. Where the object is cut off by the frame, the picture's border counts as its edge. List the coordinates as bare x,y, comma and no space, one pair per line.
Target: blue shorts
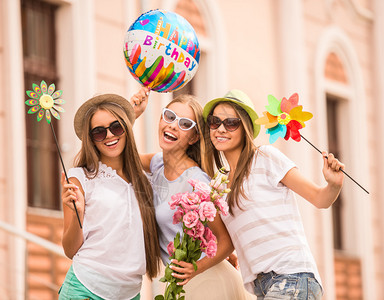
73,289
300,286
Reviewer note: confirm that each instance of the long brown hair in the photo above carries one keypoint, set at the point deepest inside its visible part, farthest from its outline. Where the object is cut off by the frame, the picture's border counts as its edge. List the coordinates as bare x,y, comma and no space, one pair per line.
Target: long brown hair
88,158
243,167
196,150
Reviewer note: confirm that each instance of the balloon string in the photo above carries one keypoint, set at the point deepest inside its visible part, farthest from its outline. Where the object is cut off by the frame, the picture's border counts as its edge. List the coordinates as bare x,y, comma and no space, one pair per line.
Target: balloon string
340,169
65,172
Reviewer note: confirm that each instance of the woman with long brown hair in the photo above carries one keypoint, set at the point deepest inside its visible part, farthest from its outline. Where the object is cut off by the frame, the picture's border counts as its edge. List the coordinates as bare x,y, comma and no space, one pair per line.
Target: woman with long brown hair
264,221
118,242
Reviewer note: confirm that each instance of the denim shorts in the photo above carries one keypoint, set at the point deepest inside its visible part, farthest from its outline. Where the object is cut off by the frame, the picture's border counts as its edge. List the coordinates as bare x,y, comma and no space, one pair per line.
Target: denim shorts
73,289
298,286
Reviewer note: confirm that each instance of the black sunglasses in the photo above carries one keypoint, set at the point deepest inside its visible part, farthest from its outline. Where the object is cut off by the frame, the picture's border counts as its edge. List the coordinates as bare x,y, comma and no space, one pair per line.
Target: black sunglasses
170,116
230,124
99,133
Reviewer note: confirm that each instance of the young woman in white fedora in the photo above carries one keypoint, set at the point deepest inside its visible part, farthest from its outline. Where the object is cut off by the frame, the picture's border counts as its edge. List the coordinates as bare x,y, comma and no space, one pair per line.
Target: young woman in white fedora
118,242
264,221
181,139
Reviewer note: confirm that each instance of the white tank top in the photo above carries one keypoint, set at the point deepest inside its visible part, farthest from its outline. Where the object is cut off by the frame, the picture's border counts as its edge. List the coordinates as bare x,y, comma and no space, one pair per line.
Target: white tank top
111,261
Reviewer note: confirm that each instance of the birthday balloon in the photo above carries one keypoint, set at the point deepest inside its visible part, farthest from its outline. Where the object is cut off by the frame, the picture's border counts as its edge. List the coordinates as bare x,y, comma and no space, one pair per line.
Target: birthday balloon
161,50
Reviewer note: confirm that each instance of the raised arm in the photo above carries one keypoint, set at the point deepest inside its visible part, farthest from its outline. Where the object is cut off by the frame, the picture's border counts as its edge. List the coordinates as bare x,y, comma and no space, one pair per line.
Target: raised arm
321,197
139,101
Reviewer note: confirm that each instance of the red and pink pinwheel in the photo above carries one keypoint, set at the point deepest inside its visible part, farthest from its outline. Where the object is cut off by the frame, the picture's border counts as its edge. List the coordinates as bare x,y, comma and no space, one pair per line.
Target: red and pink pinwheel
284,118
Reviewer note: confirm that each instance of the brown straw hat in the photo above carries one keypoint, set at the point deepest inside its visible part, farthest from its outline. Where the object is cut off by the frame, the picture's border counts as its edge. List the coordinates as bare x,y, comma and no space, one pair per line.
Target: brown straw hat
105,98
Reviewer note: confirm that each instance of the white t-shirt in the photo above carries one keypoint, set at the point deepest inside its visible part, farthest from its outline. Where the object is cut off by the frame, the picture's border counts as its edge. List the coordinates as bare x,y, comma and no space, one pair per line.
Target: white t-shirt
111,261
268,233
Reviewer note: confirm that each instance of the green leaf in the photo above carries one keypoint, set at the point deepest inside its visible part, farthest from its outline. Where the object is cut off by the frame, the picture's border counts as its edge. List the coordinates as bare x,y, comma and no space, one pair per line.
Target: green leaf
191,245
176,241
194,265
163,279
196,256
184,243
159,297
178,289
172,286
180,255
168,273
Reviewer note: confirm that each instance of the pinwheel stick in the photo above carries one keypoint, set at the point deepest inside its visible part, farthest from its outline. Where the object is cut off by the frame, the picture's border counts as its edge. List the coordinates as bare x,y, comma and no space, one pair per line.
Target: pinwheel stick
65,172
340,169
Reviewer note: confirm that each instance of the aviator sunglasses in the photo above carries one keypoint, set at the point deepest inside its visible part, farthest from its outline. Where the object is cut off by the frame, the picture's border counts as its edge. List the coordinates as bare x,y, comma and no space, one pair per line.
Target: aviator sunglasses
99,133
230,124
184,123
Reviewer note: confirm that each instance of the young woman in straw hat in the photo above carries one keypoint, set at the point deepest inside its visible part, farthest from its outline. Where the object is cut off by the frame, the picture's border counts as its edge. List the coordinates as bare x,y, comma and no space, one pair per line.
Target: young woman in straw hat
182,142
118,242
264,221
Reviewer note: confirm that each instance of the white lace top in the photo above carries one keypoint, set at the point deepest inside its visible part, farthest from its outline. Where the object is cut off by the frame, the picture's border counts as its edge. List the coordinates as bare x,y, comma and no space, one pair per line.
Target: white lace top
111,261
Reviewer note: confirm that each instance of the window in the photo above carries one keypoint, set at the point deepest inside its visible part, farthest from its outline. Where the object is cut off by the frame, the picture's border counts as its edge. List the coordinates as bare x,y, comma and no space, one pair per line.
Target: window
38,33
334,147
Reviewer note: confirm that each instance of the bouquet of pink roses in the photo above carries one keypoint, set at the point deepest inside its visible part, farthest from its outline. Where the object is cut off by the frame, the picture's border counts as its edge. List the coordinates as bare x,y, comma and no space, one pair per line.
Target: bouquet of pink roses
194,210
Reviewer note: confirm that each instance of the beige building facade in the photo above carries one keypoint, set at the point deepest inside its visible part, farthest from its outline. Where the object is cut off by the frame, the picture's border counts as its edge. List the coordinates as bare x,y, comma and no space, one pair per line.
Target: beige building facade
331,52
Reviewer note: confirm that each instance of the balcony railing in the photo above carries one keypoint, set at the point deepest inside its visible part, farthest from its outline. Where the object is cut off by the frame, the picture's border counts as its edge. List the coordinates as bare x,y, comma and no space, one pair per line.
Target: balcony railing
46,288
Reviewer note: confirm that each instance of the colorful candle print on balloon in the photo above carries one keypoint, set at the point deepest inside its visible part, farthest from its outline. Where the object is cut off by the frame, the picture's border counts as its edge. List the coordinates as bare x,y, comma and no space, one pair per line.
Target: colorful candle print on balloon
162,51
284,118
45,101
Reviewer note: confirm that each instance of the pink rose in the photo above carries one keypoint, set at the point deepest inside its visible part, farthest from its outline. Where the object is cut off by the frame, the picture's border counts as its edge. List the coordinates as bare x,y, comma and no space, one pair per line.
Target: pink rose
207,211
203,190
193,182
171,248
190,219
222,205
178,216
211,249
175,200
208,235
203,243
197,231
190,201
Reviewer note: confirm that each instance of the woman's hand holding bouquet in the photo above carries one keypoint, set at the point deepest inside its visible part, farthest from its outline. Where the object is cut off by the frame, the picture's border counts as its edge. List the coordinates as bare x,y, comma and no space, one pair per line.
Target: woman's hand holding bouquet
194,210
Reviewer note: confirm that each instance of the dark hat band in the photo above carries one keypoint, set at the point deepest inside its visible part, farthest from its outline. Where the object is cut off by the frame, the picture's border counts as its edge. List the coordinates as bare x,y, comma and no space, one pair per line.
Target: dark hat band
233,98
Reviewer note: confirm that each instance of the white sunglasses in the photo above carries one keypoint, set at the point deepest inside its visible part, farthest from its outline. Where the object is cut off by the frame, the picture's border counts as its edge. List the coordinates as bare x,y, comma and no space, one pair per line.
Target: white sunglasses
170,116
